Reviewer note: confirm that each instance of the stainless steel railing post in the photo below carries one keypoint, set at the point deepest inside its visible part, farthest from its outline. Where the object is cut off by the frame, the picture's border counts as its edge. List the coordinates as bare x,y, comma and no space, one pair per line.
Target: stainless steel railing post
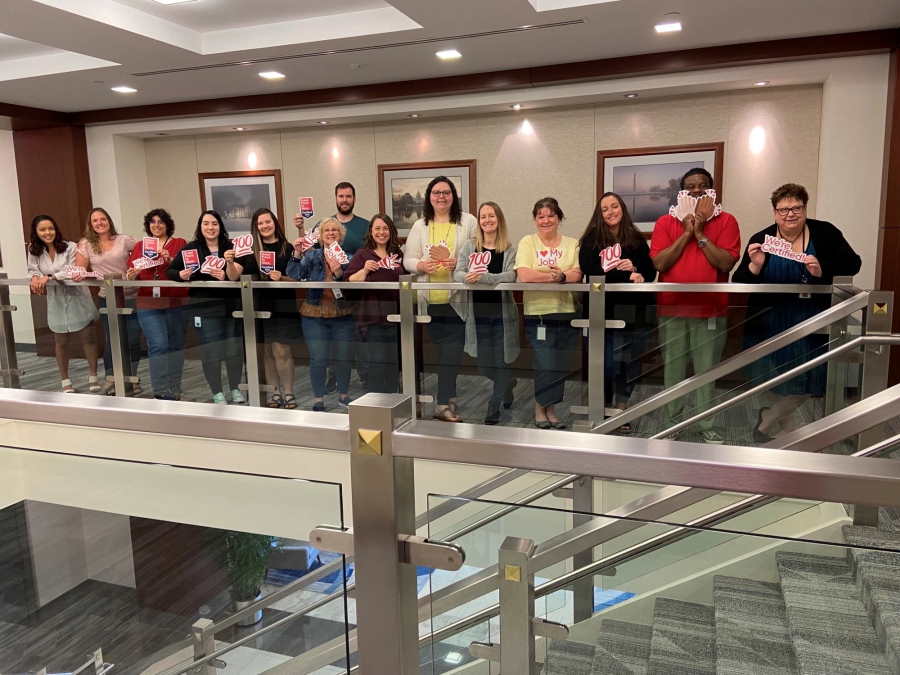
251,356
204,642
408,339
9,364
114,336
596,350
516,582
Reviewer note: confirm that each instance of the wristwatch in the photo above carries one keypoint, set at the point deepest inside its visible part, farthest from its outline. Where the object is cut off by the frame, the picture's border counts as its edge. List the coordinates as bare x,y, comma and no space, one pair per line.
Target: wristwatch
702,242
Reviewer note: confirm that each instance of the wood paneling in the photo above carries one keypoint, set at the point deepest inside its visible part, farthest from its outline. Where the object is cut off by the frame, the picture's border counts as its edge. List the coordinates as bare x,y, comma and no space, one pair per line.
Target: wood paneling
866,42
889,237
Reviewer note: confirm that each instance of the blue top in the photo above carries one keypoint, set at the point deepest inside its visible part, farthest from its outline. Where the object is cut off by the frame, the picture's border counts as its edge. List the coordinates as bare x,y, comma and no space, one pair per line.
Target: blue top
311,267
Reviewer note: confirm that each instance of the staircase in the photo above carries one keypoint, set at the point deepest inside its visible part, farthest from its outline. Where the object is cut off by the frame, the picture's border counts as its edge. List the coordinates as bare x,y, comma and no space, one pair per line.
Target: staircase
827,615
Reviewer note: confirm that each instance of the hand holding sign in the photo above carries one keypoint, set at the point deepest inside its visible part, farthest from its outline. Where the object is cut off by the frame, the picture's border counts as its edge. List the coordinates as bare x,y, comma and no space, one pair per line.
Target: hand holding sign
440,253
266,261
146,263
391,262
479,261
306,242
610,257
782,248
306,207
336,253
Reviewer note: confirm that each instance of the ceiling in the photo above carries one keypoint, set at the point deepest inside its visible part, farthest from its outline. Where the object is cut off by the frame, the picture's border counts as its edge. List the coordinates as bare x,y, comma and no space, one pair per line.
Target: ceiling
65,55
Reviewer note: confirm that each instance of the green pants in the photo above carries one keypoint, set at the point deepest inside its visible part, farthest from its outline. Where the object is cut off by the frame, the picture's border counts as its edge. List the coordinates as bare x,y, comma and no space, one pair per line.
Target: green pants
699,341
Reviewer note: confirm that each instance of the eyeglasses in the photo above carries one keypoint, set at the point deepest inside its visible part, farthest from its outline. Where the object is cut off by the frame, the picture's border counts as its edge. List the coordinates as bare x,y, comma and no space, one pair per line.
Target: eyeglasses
441,193
793,210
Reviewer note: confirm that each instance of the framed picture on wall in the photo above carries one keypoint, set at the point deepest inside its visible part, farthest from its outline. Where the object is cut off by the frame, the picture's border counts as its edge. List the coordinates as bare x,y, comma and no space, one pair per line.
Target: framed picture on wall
237,194
401,188
648,179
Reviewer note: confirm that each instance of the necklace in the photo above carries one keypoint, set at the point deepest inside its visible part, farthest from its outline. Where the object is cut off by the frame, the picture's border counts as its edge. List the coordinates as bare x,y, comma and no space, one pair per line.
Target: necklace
802,233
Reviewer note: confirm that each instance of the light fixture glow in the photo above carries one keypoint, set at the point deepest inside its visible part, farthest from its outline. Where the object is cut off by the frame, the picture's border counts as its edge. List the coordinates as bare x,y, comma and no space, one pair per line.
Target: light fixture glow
761,83
252,160
271,75
516,106
757,140
335,152
124,89
526,129
239,128
323,122
631,95
668,27
413,116
448,55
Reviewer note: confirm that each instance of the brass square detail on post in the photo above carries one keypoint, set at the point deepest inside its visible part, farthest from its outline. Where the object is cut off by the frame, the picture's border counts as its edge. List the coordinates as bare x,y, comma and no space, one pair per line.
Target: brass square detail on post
369,442
512,573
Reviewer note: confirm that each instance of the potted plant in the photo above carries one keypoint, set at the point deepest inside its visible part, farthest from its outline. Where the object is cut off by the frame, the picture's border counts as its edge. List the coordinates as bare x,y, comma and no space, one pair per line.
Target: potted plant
246,558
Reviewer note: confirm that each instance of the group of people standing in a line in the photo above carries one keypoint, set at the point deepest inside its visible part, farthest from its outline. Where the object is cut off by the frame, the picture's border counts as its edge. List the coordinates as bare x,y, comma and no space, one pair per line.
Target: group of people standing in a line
697,244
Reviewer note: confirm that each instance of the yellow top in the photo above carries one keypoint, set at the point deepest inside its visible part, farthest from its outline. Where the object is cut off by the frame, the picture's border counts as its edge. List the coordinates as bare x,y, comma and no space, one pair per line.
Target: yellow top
534,255
445,234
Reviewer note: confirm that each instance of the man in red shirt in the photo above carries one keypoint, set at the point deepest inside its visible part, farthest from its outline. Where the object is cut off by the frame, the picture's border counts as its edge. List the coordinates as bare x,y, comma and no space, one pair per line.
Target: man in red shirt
701,248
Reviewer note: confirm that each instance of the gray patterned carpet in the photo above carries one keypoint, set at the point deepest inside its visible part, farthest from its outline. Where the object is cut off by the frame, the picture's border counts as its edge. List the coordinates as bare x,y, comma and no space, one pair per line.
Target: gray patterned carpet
827,616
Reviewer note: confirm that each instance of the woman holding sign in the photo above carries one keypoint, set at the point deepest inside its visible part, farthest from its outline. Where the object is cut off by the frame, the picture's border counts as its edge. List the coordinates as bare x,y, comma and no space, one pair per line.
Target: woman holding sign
795,250
159,309
548,257
612,247
268,261
105,252
327,318
379,259
492,319
431,254
71,314
211,308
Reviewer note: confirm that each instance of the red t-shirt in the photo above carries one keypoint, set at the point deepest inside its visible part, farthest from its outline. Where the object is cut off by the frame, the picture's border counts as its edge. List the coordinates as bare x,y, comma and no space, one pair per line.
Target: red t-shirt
693,267
168,297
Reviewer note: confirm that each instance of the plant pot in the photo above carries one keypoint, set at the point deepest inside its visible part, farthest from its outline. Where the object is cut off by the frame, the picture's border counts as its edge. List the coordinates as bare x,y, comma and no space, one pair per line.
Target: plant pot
250,619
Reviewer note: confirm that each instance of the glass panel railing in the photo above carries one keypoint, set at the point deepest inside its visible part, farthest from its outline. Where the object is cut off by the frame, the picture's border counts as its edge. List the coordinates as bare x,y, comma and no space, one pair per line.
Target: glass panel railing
132,558
787,588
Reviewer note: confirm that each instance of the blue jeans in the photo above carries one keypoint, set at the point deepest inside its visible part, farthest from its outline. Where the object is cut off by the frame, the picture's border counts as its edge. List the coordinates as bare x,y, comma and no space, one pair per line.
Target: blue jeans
164,332
329,340
130,340
555,356
221,337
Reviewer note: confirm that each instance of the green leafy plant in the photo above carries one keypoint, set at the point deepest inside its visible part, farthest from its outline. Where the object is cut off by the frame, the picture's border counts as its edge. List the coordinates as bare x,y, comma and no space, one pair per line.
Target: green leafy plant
246,556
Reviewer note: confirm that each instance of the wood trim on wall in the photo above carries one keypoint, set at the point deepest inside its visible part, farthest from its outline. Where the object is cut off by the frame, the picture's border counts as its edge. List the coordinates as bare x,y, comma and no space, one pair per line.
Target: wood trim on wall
820,46
889,233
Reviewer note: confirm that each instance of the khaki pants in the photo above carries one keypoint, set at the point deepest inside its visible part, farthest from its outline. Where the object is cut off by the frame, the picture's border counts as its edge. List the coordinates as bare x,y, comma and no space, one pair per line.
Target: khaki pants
699,341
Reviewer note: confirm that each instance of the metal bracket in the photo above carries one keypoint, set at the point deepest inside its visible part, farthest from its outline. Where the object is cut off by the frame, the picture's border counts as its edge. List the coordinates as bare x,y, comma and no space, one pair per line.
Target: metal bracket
423,318
426,398
120,311
239,314
485,650
8,308
393,318
413,549
550,629
585,410
96,660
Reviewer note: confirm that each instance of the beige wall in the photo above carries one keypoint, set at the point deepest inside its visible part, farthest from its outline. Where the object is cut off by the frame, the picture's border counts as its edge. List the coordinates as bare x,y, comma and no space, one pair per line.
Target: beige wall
514,169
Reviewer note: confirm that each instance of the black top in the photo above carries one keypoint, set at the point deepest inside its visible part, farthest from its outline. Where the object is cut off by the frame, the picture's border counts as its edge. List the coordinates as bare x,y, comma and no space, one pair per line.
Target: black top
177,265
271,299
620,305
487,303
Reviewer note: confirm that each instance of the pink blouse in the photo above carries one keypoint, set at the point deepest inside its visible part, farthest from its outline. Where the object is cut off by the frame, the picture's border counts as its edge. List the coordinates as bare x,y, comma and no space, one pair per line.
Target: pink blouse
111,263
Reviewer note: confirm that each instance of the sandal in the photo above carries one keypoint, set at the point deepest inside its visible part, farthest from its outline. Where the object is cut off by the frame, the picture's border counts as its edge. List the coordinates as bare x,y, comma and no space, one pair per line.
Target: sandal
445,414
136,389
276,401
67,387
93,385
290,402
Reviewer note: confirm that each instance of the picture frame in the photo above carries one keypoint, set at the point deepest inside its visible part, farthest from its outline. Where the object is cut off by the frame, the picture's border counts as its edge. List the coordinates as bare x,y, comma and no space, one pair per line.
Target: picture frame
648,179
401,188
235,195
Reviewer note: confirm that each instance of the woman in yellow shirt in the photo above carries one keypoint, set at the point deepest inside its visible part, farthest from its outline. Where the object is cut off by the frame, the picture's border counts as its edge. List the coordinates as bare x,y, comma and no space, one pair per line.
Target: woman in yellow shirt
549,257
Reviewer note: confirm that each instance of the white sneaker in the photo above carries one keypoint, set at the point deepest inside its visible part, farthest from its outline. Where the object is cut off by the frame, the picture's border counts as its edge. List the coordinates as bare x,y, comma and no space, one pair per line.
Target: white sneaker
219,398
713,437
237,396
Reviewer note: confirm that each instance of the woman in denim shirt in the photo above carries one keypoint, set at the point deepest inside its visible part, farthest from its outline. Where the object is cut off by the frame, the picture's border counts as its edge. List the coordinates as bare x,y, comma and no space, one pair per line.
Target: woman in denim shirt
328,325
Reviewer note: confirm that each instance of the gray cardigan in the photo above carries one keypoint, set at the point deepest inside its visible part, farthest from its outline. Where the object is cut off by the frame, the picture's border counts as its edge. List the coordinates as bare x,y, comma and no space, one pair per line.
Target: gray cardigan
461,301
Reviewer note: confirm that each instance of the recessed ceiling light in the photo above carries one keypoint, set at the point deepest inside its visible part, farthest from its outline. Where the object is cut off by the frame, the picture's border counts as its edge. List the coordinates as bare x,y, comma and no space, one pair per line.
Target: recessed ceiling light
271,75
123,89
761,83
448,54
671,23
323,122
631,95
239,128
516,106
413,116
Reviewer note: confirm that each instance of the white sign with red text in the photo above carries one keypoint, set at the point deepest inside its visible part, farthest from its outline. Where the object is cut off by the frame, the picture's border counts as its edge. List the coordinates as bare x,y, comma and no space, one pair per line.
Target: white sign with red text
76,272
147,263
479,261
782,248
243,245
391,262
212,262
335,252
610,257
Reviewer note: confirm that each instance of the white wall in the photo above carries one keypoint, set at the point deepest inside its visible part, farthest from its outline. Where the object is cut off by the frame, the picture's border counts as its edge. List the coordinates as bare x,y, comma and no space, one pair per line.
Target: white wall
12,245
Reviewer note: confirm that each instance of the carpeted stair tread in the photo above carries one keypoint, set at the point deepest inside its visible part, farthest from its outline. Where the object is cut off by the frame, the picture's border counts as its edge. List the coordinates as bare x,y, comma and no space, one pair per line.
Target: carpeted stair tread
566,657
752,635
875,537
830,627
684,638
622,647
889,518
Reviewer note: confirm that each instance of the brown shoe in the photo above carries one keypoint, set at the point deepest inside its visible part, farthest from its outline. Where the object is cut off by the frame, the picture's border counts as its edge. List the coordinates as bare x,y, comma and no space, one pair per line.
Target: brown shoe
447,415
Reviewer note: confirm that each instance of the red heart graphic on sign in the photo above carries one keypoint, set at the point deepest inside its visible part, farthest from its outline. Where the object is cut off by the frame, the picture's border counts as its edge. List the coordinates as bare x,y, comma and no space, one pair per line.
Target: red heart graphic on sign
544,252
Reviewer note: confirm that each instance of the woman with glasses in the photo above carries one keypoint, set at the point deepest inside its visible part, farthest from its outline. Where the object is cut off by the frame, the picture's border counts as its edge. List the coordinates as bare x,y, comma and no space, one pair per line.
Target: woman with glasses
803,251
431,254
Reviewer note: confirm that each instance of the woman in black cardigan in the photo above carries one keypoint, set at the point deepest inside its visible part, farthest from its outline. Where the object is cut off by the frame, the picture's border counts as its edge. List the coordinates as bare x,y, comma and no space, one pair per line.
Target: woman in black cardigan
823,254
611,225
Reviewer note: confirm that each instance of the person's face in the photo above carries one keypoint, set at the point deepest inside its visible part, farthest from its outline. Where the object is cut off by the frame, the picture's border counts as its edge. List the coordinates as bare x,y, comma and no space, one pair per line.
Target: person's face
546,221
99,222
696,184
157,227
441,197
344,201
209,226
611,210
790,214
330,233
46,232
266,228
487,219
381,233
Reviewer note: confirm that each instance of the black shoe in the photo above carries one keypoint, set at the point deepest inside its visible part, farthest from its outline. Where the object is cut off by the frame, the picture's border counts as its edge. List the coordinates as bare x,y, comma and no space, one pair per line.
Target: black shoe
319,406
493,414
508,396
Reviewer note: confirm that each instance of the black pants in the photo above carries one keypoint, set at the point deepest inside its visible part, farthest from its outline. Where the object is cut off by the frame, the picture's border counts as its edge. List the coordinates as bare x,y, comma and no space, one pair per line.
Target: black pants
448,332
554,356
381,351
491,364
